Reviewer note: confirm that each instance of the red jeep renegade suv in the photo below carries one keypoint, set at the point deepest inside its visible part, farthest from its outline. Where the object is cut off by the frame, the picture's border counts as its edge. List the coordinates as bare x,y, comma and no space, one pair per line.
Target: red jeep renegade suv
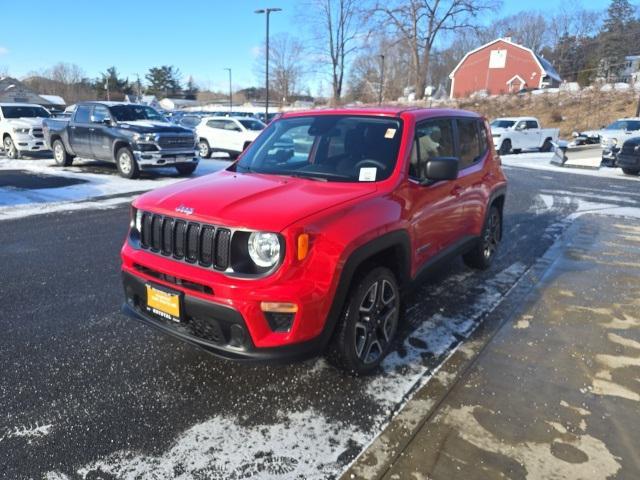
308,240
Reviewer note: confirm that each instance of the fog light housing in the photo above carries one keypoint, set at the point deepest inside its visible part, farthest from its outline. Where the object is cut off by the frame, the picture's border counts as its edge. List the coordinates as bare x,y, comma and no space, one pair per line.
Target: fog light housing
279,315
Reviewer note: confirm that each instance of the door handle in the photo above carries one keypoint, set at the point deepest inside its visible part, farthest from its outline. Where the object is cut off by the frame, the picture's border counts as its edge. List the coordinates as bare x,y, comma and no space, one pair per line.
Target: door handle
73,128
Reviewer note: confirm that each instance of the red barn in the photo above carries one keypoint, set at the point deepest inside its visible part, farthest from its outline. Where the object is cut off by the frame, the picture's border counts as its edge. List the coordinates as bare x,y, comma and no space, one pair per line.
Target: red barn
501,66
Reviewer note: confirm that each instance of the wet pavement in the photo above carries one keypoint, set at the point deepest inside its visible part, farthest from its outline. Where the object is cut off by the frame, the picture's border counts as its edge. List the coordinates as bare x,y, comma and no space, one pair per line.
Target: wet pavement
555,394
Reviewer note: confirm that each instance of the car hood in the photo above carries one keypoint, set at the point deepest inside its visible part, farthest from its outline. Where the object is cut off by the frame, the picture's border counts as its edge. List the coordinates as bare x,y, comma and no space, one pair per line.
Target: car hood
25,122
152,126
252,201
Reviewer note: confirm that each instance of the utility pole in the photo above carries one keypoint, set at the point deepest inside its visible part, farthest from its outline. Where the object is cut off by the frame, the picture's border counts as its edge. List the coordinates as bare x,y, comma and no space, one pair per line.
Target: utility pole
381,80
230,92
267,12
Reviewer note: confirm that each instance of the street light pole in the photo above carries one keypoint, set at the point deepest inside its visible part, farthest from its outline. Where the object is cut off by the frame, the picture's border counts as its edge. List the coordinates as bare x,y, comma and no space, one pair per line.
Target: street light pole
230,92
267,12
381,80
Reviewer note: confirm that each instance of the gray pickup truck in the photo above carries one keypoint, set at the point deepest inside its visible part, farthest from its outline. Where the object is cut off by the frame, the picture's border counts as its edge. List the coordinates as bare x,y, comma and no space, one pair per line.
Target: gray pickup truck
132,136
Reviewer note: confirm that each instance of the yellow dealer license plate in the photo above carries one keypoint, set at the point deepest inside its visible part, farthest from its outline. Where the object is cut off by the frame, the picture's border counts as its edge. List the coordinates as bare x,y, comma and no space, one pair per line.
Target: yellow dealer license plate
163,304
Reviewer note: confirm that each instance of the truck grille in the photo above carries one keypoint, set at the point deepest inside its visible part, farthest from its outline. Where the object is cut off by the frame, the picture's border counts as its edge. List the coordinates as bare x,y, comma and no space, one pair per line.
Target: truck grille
192,242
37,132
176,142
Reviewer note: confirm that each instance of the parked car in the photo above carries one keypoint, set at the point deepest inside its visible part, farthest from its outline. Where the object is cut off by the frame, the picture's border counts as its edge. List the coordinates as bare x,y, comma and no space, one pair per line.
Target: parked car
307,242
629,156
21,128
226,134
132,136
514,134
614,135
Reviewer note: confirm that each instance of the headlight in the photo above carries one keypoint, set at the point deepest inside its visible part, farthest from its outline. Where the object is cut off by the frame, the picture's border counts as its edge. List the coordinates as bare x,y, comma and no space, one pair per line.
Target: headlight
264,249
144,137
21,130
612,142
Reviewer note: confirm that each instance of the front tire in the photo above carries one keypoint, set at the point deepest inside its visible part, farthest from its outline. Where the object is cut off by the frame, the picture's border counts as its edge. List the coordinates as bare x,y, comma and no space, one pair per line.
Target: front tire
186,169
483,253
369,324
126,163
505,147
630,171
60,154
10,149
204,150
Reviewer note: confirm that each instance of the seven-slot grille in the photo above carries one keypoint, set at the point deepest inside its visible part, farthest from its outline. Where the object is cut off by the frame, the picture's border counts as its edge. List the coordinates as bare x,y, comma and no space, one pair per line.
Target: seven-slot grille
176,142
37,132
192,242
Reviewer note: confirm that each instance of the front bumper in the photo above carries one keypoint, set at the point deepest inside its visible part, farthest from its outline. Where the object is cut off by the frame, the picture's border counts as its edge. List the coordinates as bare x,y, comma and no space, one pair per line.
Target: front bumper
216,328
163,158
29,143
610,153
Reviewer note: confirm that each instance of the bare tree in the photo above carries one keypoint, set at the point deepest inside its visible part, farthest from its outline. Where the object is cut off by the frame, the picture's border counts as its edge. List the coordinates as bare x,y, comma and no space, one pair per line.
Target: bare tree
338,28
286,65
420,23
4,71
527,28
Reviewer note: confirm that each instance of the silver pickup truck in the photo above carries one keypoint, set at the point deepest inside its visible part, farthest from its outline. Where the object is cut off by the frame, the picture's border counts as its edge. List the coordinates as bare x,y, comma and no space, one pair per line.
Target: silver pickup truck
134,137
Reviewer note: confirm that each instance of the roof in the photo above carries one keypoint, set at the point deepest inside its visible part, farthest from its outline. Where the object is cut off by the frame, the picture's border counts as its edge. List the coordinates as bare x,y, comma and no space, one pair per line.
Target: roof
515,119
15,104
385,111
544,65
54,99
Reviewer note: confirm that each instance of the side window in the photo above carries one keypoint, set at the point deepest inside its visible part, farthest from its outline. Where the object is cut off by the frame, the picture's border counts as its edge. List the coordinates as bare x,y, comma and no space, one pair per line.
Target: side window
215,124
231,125
532,124
484,139
82,114
434,138
100,113
521,125
468,142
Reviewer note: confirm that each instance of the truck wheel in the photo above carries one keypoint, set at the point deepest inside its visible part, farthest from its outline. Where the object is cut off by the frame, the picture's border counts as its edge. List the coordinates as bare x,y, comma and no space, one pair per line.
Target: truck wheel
630,171
204,149
60,154
186,168
482,254
505,147
369,323
546,146
10,149
126,162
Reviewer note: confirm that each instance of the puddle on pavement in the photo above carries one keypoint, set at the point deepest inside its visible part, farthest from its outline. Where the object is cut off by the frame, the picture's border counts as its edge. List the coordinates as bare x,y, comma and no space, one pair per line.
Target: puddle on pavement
25,180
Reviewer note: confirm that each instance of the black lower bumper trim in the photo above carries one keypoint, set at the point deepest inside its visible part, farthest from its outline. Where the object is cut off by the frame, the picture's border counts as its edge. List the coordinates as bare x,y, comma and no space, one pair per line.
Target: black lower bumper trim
215,328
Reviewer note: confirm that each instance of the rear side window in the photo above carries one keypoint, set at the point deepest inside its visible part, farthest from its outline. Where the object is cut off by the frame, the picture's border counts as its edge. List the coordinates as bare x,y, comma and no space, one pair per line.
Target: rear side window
434,138
531,124
82,114
470,145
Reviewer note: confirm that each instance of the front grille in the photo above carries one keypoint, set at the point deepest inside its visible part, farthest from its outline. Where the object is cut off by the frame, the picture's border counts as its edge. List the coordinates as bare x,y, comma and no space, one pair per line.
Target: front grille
176,142
37,132
192,242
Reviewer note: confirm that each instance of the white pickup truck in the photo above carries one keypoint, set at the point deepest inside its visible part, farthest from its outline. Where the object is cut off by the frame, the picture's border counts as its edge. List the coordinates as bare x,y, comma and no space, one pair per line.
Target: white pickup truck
514,134
21,128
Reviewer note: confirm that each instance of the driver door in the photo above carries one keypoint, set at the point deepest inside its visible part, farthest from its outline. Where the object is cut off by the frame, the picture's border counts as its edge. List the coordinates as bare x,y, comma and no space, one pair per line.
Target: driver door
100,133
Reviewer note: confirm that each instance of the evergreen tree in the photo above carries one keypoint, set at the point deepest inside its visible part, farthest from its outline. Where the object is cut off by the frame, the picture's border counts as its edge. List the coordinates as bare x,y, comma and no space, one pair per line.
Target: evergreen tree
191,92
164,81
118,87
617,38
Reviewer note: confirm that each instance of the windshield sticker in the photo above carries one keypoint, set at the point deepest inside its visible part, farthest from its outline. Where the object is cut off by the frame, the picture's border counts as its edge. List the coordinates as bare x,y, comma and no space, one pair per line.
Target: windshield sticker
390,133
368,174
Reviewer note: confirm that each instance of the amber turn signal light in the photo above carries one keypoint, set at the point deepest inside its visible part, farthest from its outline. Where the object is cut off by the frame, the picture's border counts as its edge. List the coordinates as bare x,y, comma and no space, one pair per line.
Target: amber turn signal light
303,245
279,307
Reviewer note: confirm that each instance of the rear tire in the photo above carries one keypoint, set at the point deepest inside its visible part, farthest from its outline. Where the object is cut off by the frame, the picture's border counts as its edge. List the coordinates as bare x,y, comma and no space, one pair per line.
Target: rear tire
630,171
204,150
482,255
546,146
505,147
60,154
10,149
369,323
126,163
186,168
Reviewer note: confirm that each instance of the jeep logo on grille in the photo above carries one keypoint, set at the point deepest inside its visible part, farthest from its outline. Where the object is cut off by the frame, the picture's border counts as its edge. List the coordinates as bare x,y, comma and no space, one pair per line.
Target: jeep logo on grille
185,210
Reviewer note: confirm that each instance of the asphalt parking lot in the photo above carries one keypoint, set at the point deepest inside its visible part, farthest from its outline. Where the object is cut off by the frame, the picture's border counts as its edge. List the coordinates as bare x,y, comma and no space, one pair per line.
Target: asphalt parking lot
89,393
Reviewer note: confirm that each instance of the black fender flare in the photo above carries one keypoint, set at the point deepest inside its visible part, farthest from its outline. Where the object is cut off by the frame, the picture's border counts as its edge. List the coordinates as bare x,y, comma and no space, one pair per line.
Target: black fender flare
397,239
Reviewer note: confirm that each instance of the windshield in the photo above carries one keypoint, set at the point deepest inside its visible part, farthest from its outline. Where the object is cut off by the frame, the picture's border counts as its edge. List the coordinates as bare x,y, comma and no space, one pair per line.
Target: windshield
128,113
251,124
326,147
502,123
24,112
628,125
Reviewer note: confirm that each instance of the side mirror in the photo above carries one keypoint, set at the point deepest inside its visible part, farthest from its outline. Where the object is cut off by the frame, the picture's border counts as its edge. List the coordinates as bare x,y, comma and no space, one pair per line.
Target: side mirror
441,168
106,121
520,127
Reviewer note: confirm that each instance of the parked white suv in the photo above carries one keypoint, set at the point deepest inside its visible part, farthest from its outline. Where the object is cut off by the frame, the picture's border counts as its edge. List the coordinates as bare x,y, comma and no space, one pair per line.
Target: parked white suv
226,134
21,128
514,134
614,135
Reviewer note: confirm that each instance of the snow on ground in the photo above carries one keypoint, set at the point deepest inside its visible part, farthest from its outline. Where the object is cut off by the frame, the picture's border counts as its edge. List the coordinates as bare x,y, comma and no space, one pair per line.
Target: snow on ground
541,161
98,180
